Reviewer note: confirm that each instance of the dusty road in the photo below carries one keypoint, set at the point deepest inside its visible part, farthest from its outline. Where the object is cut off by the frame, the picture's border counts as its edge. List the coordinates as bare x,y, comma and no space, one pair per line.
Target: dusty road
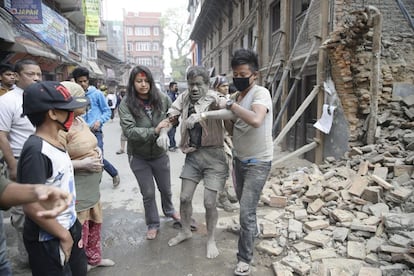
123,233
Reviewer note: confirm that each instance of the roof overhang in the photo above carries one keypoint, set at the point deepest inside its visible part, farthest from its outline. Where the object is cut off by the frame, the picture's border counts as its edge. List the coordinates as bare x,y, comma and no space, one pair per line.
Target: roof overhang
206,20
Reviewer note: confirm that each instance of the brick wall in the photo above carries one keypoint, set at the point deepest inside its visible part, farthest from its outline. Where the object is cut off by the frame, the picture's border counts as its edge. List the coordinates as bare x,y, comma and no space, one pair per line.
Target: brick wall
351,58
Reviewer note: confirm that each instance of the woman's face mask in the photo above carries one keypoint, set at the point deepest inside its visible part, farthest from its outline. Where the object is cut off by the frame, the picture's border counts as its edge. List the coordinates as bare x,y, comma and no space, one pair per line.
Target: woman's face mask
242,83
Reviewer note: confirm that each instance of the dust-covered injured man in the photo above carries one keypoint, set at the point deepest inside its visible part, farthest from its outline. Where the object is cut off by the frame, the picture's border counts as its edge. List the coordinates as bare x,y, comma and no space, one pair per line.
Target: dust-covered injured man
205,157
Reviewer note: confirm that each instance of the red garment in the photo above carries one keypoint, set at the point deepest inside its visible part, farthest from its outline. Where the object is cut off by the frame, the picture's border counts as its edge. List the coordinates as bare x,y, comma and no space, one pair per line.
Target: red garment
91,237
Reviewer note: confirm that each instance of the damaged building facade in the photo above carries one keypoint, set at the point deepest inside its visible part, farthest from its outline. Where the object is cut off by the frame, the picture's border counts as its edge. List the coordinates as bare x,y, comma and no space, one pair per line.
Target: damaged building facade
364,47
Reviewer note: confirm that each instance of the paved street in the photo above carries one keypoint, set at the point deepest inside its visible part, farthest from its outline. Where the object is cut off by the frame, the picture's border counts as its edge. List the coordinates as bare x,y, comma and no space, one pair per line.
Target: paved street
123,237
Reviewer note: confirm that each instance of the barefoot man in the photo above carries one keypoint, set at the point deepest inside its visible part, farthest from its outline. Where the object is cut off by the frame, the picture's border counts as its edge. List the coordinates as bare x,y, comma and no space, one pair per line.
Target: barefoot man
205,157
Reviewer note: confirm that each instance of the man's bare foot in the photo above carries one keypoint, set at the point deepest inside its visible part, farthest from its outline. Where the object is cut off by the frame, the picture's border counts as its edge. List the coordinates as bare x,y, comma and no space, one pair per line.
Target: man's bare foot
212,250
182,236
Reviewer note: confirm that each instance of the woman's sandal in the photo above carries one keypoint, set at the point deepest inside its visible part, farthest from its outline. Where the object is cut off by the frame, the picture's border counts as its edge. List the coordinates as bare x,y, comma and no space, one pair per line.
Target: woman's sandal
242,269
152,234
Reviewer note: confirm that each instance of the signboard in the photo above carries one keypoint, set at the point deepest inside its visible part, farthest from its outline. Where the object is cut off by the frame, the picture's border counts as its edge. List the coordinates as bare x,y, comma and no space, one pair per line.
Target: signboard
92,21
90,7
54,30
27,11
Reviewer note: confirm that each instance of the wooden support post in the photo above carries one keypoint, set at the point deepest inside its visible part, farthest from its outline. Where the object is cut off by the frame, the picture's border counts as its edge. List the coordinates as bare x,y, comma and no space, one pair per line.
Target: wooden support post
292,53
375,73
270,65
292,90
297,152
297,115
321,76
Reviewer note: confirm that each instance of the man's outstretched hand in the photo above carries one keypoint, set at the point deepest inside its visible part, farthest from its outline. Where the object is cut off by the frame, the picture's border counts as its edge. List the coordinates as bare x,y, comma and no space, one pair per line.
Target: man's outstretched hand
53,199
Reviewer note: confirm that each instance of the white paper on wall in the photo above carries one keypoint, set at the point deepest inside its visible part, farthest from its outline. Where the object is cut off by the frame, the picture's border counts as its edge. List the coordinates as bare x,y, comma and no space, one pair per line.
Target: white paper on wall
324,124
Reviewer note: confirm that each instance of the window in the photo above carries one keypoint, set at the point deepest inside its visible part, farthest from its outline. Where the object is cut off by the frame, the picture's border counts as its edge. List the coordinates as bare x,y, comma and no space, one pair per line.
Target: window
147,61
156,31
143,46
250,4
275,32
250,39
230,12
155,46
230,52
299,11
129,31
220,62
73,41
220,30
83,47
142,31
301,6
92,54
129,46
241,10
275,16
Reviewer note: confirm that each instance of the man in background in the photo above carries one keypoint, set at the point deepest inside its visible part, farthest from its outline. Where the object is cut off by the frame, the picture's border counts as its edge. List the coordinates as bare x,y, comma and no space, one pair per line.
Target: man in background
172,93
7,78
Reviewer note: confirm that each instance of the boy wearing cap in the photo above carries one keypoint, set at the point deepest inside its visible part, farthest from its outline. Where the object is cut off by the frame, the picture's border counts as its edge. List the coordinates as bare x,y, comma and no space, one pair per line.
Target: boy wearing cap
54,245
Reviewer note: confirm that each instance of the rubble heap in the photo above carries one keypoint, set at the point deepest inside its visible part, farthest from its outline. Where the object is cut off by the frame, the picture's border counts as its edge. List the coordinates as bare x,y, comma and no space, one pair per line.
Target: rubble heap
353,216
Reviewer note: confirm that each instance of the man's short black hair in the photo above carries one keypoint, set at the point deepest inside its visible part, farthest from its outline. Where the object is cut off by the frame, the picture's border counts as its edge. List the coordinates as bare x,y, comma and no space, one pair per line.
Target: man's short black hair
172,84
19,65
80,72
245,56
4,67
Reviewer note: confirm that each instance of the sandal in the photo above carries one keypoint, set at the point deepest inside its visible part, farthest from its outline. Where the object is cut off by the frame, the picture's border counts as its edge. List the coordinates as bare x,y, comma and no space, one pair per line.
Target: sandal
176,216
152,234
242,269
177,225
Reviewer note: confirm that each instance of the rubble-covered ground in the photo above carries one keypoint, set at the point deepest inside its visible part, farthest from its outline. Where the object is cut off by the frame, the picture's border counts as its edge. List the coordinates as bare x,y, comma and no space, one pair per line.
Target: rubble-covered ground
353,216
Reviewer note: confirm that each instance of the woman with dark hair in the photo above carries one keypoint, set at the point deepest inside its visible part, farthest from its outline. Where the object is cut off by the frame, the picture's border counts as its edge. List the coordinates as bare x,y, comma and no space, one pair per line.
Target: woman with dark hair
143,113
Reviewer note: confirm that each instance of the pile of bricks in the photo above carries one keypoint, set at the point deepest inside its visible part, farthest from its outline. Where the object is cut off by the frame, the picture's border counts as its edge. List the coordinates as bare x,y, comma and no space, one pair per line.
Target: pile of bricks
348,217
353,216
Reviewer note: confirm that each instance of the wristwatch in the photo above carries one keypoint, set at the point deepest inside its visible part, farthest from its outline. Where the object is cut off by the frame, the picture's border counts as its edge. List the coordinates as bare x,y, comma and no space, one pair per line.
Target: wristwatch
229,103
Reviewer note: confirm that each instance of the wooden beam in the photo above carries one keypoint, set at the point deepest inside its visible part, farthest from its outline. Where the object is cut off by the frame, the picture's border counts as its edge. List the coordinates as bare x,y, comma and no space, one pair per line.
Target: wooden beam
296,153
321,77
292,90
298,113
292,53
375,73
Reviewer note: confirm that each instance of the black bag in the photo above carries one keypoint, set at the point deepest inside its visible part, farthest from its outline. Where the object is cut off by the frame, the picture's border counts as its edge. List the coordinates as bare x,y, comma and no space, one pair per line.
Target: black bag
110,102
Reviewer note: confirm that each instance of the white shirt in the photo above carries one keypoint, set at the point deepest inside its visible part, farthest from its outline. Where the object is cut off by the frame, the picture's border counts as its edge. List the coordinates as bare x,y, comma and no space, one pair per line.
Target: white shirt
111,97
11,121
250,142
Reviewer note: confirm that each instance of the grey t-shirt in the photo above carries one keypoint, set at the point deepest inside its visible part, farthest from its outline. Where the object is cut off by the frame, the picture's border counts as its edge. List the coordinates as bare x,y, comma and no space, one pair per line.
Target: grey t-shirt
250,142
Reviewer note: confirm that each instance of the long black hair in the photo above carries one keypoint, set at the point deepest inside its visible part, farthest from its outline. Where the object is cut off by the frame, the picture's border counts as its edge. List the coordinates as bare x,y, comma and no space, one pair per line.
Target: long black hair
132,100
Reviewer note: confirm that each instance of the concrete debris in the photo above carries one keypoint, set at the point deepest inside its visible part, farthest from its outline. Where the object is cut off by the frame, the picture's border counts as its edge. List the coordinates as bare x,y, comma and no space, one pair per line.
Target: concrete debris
353,216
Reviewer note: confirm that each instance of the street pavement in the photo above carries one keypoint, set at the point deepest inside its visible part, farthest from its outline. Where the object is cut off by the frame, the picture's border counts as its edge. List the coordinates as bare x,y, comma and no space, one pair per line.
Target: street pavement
123,230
